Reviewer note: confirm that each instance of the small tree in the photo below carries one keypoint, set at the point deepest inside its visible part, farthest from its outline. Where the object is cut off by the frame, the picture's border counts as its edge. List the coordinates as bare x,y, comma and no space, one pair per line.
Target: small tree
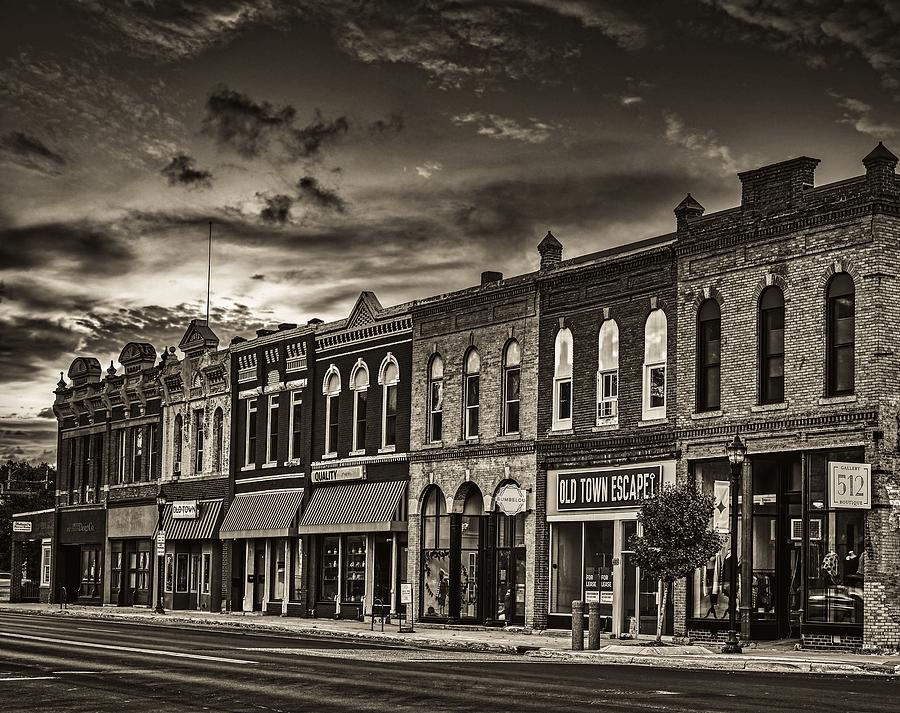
676,538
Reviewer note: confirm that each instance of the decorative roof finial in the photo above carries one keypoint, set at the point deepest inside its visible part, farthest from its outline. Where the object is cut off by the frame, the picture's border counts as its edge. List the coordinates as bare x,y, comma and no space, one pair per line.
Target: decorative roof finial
61,384
112,370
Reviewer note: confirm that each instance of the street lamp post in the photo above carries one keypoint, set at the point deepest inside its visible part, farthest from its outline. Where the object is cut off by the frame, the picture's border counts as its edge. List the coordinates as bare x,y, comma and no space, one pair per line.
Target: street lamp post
160,507
736,451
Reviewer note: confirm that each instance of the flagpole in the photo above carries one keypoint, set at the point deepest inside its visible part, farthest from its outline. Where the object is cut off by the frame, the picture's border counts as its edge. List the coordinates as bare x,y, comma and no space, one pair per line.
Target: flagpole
208,271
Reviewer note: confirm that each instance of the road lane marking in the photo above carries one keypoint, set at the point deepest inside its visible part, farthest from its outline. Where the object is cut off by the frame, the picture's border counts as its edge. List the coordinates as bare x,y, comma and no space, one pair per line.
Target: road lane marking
132,649
27,678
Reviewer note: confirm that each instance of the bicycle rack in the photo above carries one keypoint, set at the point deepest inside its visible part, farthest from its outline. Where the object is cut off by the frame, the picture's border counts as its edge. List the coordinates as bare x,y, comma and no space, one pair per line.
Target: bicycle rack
377,603
64,599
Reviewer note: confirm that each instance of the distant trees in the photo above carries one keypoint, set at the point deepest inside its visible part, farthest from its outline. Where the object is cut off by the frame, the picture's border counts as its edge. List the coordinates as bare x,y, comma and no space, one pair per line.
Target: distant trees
23,487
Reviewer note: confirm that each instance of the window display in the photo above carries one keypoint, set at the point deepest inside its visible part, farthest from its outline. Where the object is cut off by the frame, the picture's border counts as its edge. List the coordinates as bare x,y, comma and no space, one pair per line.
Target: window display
566,566
330,560
297,559
170,572
354,568
435,555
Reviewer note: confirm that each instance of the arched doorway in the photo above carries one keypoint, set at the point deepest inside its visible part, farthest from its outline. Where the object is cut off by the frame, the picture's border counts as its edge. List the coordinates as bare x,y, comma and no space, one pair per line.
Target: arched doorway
509,556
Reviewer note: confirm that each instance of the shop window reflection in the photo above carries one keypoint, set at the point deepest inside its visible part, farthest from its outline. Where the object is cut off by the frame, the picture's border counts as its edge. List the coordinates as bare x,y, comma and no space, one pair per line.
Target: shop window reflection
435,555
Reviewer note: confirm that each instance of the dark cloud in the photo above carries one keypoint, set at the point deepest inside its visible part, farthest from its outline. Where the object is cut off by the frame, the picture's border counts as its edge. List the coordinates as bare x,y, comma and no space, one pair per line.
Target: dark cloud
32,439
311,191
258,276
30,152
89,250
277,209
31,344
182,171
393,123
250,128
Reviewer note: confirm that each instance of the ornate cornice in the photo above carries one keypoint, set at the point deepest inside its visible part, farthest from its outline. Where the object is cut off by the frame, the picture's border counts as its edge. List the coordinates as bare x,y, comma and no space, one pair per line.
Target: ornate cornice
863,417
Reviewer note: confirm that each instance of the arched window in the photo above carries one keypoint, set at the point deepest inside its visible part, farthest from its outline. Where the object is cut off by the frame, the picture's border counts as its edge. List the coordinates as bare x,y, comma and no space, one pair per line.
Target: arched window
562,380
472,392
331,388
709,355
512,372
389,378
435,426
359,384
435,555
177,436
199,440
771,346
841,339
608,373
218,439
655,353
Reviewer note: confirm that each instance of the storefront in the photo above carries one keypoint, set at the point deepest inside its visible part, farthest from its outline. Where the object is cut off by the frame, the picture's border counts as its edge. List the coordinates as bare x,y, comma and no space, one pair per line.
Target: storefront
357,532
193,559
593,516
802,529
267,556
32,553
129,554
82,537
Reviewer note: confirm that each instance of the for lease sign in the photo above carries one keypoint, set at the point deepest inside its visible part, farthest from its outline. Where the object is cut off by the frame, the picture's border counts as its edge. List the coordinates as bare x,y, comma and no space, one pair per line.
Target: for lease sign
607,488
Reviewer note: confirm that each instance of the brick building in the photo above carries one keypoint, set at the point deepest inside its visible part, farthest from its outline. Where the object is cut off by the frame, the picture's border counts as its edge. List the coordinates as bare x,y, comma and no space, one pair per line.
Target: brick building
605,422
474,389
270,434
195,480
786,334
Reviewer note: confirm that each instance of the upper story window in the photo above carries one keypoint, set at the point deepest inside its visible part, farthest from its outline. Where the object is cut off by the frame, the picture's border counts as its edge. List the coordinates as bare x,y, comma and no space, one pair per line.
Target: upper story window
709,355
562,380
359,384
389,378
272,441
655,354
137,452
218,439
152,455
512,384
841,335
771,346
608,373
296,425
331,388
250,433
177,436
471,393
199,440
435,425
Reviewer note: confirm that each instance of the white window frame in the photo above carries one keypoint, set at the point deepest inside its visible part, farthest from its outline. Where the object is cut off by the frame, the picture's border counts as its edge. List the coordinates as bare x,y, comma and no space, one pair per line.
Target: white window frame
271,420
296,400
558,422
199,423
46,554
122,455
385,386
360,366
507,368
251,411
137,443
432,411
654,359
330,397
607,370
467,375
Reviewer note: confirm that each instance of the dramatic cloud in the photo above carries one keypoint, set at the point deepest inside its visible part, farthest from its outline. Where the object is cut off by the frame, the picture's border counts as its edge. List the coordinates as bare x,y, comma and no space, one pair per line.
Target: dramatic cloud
393,123
28,438
277,209
250,127
83,249
429,168
182,171
501,127
311,191
703,144
858,114
30,152
595,14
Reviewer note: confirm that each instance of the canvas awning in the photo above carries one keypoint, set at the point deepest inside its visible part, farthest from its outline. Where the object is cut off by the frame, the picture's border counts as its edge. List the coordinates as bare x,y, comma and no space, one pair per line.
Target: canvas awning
267,514
355,507
203,527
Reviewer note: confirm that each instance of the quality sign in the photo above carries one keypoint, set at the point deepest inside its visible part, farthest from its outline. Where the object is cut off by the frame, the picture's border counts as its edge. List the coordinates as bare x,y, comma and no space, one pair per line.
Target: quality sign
607,488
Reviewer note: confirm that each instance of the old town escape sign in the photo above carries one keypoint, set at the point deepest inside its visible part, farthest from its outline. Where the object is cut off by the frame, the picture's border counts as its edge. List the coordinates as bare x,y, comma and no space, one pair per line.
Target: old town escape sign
607,488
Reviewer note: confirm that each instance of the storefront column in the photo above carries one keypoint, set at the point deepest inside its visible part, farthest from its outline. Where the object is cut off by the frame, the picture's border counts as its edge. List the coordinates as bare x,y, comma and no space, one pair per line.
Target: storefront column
394,574
620,626
267,583
288,576
370,575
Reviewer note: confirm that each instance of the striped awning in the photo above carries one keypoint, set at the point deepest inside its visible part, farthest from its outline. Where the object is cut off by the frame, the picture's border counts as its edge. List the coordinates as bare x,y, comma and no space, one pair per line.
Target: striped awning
203,527
354,507
268,514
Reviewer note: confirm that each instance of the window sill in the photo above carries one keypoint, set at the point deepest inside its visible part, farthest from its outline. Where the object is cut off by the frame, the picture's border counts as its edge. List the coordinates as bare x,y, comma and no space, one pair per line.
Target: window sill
835,400
606,426
249,466
270,465
387,449
357,452
763,408
509,437
471,439
432,445
700,415
329,456
294,461
653,422
561,431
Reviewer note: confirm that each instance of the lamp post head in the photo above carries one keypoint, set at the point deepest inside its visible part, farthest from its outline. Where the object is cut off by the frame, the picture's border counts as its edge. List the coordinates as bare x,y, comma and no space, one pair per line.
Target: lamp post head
160,500
736,451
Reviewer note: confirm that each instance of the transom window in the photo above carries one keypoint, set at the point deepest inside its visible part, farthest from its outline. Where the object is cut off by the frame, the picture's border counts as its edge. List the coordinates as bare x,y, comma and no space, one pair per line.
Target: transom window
608,373
562,380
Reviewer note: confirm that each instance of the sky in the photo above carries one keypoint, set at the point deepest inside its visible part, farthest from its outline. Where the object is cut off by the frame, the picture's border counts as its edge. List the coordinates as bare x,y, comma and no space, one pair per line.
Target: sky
400,147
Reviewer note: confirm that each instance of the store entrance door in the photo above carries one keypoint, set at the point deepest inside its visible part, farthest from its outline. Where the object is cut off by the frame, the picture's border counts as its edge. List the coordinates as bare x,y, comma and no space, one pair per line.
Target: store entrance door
381,601
259,575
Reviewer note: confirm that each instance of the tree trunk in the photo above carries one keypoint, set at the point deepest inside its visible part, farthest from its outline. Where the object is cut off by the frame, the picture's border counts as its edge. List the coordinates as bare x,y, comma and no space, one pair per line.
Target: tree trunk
662,596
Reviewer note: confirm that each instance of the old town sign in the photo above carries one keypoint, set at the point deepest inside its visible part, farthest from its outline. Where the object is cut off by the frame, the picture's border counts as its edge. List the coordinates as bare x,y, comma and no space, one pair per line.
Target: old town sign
620,487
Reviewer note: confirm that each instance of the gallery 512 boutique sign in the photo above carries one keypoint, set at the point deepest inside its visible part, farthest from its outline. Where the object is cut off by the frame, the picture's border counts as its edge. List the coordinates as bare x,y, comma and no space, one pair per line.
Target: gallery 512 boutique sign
607,488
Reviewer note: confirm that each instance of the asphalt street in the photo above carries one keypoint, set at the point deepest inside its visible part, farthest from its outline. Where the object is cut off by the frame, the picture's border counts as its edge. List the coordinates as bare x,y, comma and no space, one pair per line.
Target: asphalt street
50,664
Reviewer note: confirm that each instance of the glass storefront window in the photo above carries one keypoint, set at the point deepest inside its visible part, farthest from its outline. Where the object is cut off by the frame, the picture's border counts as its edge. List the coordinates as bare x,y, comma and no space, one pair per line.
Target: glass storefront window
598,558
181,572
207,571
354,568
297,579
435,555
330,557
565,574
170,572
91,572
116,568
279,559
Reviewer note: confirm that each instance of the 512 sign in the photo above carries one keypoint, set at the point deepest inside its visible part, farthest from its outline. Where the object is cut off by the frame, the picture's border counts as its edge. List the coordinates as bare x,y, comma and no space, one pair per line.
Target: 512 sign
850,485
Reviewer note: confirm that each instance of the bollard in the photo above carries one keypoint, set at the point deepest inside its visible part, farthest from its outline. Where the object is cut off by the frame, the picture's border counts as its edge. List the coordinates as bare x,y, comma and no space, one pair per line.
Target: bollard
578,626
594,625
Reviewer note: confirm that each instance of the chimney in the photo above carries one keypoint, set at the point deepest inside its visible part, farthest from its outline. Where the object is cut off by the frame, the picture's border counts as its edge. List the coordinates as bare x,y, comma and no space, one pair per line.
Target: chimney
489,276
550,250
286,325
237,340
777,188
880,165
264,332
314,322
686,211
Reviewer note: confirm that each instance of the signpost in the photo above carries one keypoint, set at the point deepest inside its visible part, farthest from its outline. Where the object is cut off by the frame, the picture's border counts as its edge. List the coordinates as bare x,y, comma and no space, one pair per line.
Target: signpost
406,598
161,543
850,486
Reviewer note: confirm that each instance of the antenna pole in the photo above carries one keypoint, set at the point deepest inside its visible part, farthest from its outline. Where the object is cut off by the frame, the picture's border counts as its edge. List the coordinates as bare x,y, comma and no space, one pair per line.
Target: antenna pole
208,271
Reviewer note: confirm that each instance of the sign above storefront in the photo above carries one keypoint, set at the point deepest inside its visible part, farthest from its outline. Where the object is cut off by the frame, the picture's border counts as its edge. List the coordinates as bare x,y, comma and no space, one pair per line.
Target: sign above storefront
511,499
850,486
21,526
619,487
343,472
185,510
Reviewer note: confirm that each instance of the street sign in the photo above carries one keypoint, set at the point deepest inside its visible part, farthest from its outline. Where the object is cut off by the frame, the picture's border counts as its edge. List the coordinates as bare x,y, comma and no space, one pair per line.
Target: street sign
405,593
21,526
161,543
850,486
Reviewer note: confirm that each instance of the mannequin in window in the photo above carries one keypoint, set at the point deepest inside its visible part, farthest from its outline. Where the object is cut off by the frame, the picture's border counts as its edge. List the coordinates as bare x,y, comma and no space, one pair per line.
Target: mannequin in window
711,584
829,569
443,584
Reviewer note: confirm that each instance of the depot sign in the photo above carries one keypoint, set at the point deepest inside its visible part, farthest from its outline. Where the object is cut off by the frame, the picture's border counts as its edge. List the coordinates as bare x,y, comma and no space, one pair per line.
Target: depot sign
607,488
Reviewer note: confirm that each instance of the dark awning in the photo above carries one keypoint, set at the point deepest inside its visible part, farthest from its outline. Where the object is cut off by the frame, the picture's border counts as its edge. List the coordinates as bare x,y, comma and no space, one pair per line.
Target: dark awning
267,514
354,507
203,527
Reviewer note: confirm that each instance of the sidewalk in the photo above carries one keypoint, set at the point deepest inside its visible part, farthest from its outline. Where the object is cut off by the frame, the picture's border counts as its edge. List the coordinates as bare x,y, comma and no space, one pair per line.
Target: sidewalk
549,645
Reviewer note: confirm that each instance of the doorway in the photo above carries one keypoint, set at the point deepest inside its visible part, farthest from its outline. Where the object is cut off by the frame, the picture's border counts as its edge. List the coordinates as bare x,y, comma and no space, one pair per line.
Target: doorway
381,594
510,579
259,574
